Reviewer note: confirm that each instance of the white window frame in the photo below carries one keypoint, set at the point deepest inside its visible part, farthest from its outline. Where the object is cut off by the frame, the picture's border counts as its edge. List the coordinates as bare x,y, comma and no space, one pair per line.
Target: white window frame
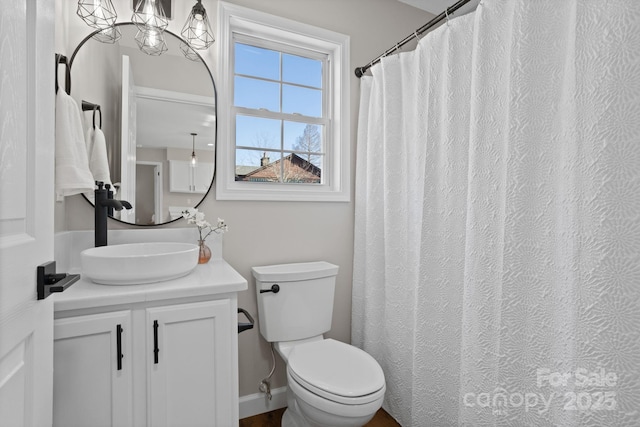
243,22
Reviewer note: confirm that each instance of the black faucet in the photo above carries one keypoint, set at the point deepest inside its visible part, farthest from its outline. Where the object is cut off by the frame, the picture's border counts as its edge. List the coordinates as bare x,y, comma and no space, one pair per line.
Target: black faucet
102,205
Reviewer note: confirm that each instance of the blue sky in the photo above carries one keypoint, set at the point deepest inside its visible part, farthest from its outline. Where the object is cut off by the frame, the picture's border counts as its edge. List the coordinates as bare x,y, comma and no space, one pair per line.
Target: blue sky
267,72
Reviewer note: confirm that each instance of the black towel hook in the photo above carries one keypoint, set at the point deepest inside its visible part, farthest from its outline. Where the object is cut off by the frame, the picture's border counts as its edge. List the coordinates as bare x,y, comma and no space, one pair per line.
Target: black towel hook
61,59
97,108
87,106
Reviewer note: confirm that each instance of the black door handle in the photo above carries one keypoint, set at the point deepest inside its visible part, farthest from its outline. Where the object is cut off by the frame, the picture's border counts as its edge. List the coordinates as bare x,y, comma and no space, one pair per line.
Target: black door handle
48,281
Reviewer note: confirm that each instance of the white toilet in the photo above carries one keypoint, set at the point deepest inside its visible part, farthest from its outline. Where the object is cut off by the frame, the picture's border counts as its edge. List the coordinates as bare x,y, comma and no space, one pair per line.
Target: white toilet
331,384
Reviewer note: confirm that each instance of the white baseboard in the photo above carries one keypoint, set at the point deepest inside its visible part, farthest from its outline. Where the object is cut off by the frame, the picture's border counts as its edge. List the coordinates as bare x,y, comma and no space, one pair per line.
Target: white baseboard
257,403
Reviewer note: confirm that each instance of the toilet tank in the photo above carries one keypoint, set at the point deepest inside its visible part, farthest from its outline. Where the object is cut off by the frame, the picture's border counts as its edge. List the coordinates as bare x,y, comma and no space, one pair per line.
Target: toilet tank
303,306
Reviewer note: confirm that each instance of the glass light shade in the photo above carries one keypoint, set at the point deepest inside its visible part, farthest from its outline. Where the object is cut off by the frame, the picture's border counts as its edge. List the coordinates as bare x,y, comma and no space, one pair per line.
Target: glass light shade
109,35
197,30
188,52
150,15
194,159
151,42
97,14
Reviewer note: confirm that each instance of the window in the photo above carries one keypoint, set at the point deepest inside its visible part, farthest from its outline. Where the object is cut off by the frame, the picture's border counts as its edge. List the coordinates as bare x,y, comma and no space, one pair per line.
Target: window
284,128
279,111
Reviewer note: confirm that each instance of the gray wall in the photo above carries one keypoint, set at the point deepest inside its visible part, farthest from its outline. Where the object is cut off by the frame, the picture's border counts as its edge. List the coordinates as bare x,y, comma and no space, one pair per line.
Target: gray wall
262,233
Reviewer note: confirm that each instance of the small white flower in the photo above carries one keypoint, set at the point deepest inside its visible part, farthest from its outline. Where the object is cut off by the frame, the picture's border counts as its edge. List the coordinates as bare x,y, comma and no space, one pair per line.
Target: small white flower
193,216
202,224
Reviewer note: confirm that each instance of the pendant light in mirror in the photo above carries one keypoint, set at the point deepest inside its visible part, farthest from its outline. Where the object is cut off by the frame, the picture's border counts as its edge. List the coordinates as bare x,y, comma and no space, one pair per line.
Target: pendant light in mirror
150,16
109,35
99,14
188,52
151,42
197,30
194,159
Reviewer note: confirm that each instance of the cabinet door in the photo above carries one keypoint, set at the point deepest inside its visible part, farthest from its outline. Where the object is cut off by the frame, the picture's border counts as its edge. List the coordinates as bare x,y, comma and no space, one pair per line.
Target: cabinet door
92,375
203,174
190,382
184,178
180,176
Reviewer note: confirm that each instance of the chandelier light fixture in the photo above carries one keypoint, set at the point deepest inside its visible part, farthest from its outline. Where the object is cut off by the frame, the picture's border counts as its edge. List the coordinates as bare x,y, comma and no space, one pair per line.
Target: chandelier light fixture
197,30
98,14
150,16
151,20
194,159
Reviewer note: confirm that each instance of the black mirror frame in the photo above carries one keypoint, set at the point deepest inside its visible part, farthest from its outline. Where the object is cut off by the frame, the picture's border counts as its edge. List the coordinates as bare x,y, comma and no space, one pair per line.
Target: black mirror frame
215,147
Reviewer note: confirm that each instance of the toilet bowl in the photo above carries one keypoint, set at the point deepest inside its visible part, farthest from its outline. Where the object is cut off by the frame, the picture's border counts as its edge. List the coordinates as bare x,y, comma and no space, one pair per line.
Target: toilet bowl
330,383
333,384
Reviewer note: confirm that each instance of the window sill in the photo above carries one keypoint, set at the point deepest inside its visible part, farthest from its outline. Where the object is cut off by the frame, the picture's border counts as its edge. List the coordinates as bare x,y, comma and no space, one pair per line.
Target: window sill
280,193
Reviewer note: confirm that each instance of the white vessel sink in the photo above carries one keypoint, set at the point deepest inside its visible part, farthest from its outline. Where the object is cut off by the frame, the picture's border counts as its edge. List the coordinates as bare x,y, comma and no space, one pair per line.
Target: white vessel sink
138,263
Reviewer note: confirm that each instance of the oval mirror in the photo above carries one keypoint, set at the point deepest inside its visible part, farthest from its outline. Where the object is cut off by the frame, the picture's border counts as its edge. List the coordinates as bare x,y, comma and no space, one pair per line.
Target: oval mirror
157,112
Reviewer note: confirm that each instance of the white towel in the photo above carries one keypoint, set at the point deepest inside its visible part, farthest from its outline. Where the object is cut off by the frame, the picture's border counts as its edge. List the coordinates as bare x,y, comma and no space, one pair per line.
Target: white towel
98,160
72,165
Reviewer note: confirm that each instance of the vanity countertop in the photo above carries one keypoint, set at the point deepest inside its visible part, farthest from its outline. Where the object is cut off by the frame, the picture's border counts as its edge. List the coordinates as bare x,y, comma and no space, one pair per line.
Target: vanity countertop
215,277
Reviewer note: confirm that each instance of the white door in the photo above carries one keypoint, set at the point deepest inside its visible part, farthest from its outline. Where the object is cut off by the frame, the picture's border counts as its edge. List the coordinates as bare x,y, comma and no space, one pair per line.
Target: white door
26,210
128,141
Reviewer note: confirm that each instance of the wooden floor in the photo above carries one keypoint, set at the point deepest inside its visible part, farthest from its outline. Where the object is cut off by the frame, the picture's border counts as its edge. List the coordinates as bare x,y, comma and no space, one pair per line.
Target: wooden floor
272,419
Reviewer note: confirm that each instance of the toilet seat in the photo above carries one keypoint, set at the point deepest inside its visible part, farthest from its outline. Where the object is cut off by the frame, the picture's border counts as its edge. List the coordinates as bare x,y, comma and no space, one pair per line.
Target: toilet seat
336,371
307,399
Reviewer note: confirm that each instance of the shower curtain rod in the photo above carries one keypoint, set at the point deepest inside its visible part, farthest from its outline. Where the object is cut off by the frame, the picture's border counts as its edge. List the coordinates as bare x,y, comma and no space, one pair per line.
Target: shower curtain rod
417,33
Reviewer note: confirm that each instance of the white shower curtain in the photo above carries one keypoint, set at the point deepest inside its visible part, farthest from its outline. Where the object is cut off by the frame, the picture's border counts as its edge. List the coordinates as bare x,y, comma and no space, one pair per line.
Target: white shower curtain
497,241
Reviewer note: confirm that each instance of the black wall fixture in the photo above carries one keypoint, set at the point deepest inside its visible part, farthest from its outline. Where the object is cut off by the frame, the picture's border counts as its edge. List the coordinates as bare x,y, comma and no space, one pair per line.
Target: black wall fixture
166,6
48,281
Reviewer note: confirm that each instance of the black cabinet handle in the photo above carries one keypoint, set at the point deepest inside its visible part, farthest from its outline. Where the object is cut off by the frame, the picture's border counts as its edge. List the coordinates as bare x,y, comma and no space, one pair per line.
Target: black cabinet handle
156,350
119,355
274,288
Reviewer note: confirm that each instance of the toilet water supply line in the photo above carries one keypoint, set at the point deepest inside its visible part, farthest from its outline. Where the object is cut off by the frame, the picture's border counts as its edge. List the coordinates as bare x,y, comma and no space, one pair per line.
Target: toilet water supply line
265,385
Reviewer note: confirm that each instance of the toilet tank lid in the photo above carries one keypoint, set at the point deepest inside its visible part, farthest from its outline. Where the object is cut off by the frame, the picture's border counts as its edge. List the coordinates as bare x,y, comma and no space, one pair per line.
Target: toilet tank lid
294,272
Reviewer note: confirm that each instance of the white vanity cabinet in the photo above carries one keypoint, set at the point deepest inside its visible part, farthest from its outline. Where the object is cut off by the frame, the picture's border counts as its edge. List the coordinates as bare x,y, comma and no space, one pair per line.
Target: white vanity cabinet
178,342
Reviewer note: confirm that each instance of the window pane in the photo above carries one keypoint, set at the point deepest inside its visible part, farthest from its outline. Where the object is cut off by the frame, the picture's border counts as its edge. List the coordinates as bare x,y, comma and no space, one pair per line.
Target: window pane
257,166
305,169
303,137
258,132
255,61
307,102
302,71
253,93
